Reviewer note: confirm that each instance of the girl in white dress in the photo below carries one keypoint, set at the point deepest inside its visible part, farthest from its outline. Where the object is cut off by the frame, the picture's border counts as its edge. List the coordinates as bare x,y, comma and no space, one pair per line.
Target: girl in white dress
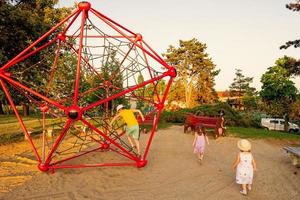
244,165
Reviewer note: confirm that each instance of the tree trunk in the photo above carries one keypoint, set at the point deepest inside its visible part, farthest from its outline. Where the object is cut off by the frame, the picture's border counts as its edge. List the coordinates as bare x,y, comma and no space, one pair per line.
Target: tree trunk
286,122
25,110
1,108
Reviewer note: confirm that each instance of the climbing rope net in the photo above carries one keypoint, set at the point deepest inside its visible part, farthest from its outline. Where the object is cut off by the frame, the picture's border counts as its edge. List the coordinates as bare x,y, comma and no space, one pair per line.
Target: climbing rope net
73,77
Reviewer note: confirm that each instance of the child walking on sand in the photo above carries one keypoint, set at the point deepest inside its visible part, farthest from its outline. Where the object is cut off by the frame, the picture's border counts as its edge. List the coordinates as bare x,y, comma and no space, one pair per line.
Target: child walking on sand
199,141
244,165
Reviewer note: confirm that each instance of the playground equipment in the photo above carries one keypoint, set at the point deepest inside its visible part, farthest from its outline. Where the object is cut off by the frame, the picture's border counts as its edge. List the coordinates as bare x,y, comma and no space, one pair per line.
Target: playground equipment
83,68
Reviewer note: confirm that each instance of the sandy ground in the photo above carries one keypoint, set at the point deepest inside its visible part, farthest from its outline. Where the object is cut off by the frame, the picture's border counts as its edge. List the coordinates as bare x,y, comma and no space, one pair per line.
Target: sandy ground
171,173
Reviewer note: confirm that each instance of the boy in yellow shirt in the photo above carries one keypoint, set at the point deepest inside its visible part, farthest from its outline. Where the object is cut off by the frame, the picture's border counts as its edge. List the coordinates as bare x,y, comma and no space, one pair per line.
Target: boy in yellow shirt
132,125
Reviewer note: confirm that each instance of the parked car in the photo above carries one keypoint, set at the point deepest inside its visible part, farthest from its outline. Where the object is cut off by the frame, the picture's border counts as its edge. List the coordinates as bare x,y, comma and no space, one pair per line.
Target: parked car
278,124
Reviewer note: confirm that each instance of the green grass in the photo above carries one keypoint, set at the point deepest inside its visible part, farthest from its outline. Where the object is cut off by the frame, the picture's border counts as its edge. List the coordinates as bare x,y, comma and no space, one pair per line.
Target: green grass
10,129
260,133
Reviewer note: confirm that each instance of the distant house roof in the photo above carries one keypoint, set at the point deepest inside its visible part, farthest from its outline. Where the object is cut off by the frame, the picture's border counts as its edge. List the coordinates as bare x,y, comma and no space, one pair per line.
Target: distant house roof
223,94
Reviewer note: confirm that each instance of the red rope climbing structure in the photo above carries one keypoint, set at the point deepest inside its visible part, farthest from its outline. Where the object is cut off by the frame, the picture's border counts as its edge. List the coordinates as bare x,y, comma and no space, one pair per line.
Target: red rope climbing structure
73,77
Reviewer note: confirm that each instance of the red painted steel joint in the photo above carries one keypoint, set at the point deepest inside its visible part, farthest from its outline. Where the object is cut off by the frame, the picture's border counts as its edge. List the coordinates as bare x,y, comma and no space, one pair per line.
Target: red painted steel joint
104,146
44,108
61,37
160,106
74,113
138,37
141,163
43,167
172,72
84,5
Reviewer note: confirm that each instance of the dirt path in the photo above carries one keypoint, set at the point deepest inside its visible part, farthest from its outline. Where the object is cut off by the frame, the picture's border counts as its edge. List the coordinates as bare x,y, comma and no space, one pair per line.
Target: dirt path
172,173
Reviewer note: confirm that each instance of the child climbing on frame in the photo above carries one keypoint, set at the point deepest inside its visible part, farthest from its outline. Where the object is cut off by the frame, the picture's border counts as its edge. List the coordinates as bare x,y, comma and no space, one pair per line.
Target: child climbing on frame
132,125
199,142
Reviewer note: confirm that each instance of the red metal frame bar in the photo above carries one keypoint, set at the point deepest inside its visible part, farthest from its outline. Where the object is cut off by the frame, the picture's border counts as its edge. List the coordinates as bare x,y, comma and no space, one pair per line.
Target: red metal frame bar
123,92
20,120
91,165
107,138
77,80
33,92
58,140
107,21
54,67
157,118
14,60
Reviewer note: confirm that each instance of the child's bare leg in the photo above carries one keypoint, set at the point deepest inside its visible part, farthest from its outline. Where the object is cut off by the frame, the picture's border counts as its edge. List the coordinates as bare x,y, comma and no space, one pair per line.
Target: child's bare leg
130,141
201,156
244,190
249,187
137,143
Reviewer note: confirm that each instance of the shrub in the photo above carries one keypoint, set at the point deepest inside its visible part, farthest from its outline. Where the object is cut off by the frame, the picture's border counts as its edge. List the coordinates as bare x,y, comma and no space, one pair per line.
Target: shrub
174,116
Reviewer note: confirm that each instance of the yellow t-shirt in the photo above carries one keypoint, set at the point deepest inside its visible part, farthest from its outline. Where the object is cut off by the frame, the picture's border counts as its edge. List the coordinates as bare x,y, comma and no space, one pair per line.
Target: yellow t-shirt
129,118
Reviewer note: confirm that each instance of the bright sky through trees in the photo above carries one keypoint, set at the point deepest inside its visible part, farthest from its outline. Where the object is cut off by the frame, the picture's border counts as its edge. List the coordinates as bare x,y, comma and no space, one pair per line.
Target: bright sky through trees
239,34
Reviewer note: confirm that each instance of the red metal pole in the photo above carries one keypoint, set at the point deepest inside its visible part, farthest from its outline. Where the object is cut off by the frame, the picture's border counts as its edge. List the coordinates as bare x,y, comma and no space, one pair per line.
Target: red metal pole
151,76
36,50
57,142
112,21
88,64
77,80
157,118
33,92
54,66
91,165
72,21
107,138
100,36
13,61
20,120
129,38
123,92
76,156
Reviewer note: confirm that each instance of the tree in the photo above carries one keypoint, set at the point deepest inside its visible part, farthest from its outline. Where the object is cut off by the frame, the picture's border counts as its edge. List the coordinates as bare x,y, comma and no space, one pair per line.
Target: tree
240,88
296,8
291,65
22,22
195,73
140,92
241,85
278,91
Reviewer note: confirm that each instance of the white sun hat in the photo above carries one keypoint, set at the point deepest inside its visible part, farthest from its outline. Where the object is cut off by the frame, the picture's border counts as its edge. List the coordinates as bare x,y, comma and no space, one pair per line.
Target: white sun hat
119,107
244,145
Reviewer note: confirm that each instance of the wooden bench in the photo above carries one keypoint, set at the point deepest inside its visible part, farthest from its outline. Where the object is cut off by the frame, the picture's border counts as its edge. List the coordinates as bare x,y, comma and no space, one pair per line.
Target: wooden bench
192,120
149,121
294,155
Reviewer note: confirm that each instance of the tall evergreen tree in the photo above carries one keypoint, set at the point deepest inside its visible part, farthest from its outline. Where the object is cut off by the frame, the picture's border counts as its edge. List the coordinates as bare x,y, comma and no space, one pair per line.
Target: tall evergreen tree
241,85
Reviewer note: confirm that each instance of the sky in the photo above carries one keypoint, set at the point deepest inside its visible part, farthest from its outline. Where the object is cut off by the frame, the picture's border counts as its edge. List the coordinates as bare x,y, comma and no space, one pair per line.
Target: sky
239,34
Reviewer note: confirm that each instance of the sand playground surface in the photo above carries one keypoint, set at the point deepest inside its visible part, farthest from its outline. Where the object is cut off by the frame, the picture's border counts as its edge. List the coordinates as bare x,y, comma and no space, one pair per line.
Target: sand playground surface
172,172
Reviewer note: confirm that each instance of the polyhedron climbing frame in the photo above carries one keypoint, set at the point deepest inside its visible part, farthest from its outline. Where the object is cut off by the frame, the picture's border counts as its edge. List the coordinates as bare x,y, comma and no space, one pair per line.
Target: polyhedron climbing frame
73,77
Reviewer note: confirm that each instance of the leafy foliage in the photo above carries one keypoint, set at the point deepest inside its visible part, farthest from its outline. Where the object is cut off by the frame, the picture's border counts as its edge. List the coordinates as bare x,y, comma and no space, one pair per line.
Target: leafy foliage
292,65
296,8
22,22
240,87
196,73
278,91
